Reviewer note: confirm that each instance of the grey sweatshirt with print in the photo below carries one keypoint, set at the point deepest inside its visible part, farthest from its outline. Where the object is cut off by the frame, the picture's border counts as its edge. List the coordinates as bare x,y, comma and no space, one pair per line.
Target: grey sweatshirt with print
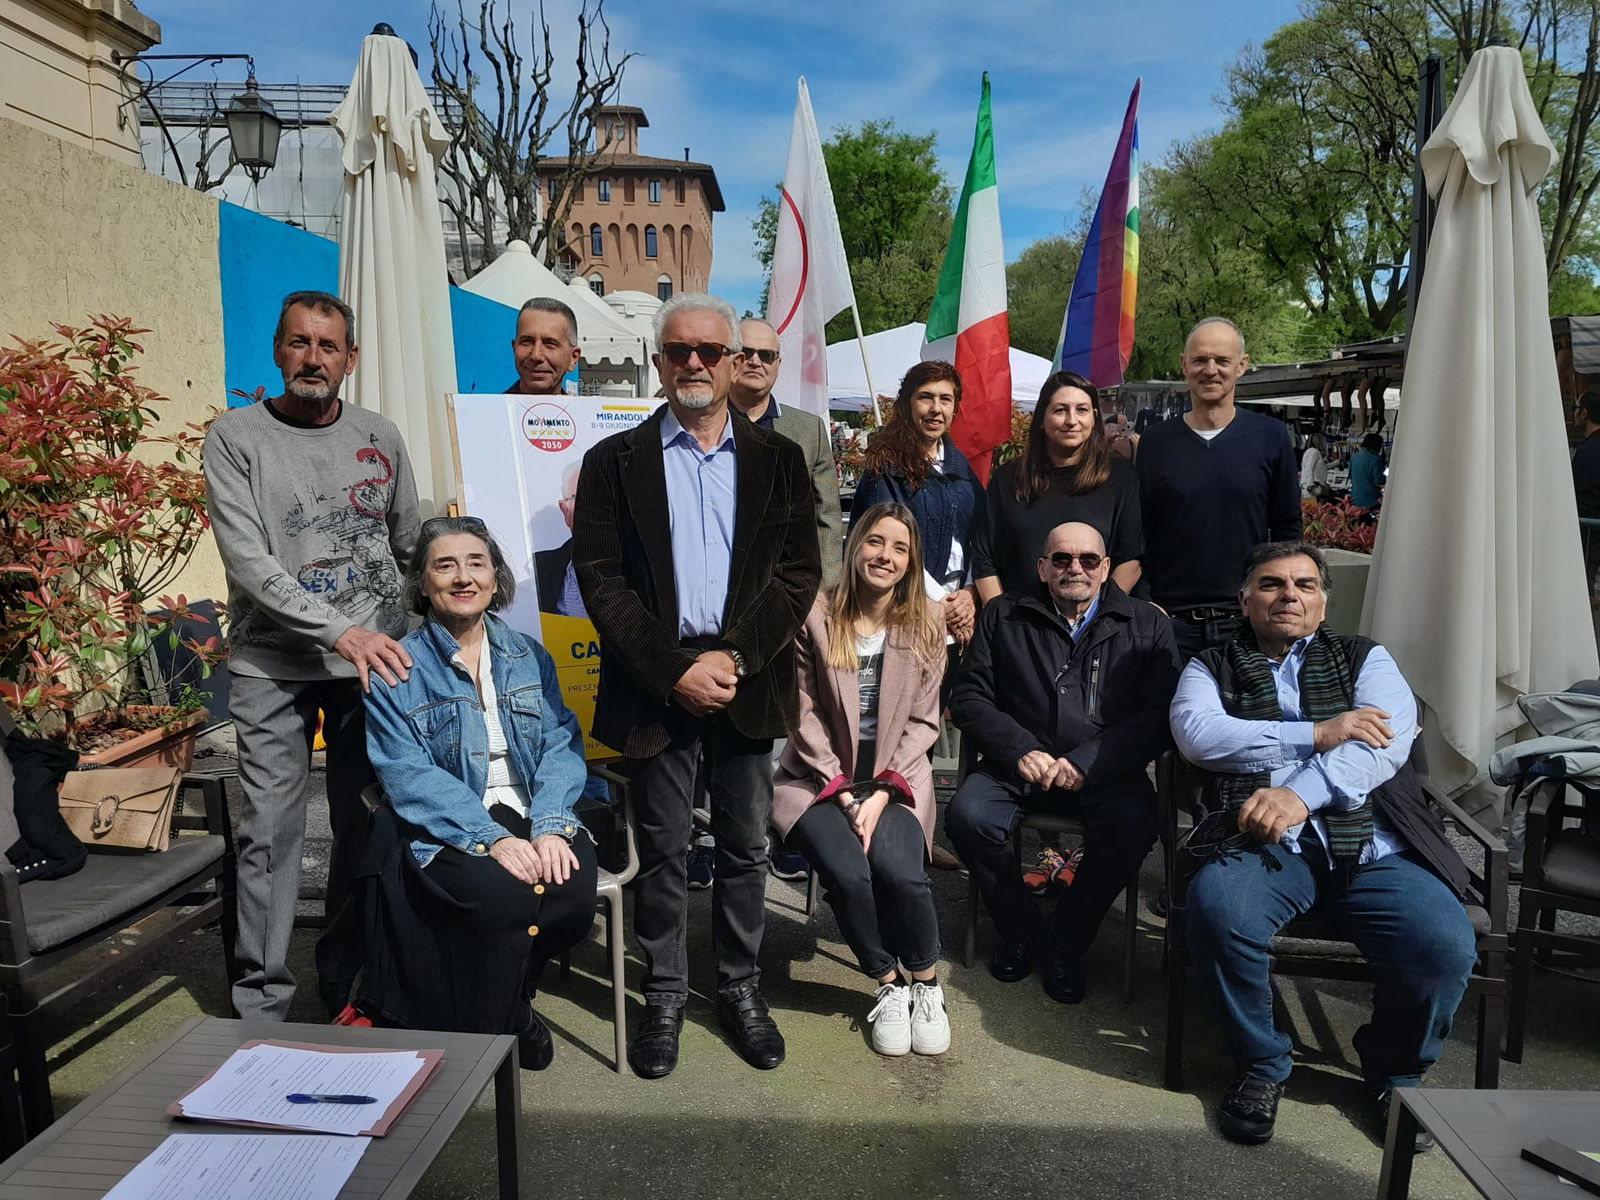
315,527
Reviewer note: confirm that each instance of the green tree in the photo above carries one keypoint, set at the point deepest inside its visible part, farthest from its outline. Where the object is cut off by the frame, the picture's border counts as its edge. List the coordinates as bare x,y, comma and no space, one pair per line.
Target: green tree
1311,175
1037,287
894,217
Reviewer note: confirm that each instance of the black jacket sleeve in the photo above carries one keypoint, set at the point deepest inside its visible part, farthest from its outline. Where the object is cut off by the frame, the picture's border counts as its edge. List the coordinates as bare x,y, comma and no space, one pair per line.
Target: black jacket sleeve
769,622
974,705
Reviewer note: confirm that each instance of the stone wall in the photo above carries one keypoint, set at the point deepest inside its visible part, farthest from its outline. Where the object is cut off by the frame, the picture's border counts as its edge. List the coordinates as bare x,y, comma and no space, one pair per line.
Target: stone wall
57,72
84,235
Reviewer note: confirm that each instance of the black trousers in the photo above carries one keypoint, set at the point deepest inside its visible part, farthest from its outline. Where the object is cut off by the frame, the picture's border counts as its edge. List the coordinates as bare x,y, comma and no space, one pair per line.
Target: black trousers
881,897
982,821
507,931
737,773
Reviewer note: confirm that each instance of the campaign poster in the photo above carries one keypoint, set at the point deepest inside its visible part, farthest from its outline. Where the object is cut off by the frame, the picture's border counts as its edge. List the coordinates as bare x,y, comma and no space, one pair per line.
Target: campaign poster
517,461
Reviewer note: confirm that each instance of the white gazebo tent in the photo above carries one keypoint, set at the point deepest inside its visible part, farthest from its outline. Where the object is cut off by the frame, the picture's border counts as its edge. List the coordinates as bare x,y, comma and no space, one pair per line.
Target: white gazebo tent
612,352
893,352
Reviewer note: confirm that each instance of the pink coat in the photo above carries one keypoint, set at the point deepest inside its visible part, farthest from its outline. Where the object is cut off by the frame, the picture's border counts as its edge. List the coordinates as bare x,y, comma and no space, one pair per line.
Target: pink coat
820,757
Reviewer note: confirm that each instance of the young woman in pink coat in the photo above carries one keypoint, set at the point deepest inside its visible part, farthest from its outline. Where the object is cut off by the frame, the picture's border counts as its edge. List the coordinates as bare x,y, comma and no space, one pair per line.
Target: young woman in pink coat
854,791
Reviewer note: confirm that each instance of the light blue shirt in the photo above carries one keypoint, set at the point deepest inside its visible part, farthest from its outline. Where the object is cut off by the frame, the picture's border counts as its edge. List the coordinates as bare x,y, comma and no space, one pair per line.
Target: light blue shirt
1077,629
701,490
1207,736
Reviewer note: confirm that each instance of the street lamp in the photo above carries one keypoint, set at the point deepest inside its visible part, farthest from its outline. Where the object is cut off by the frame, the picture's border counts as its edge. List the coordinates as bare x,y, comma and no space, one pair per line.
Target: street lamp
254,126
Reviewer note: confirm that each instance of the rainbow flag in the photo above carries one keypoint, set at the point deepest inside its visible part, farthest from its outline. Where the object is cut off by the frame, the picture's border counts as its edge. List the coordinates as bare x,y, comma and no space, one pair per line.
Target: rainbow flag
1097,331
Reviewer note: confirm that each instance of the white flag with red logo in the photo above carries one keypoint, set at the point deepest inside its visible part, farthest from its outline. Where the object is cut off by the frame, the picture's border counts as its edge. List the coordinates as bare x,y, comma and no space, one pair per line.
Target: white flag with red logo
810,277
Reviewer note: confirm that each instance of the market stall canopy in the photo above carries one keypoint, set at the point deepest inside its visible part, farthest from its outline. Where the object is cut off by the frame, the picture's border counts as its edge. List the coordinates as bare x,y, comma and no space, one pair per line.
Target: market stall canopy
1384,358
1585,344
391,258
517,277
1477,584
895,351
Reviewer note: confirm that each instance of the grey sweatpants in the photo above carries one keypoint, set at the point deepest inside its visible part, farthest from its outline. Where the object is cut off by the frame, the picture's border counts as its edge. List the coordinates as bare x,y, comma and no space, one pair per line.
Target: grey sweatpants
275,720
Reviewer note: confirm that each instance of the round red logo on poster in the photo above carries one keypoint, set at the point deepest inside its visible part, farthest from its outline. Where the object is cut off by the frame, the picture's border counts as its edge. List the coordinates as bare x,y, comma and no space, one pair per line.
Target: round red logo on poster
548,427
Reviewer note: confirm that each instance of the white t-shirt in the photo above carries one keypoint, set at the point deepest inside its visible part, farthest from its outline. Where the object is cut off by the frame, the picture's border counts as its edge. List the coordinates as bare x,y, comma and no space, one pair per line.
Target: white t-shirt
869,678
504,785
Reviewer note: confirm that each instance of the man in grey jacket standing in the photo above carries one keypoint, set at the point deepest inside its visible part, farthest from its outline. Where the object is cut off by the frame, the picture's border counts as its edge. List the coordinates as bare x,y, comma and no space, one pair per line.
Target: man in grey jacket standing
754,377
315,511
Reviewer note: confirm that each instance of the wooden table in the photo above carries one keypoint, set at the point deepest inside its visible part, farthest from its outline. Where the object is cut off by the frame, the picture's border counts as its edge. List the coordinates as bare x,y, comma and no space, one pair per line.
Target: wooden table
86,1152
1483,1133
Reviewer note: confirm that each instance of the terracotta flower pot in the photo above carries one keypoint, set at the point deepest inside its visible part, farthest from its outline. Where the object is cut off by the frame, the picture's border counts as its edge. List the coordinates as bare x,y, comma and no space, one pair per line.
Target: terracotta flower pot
165,746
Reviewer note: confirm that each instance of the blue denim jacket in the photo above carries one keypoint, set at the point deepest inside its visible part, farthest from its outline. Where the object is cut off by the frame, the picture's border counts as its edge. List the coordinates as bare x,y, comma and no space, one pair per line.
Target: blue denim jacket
429,743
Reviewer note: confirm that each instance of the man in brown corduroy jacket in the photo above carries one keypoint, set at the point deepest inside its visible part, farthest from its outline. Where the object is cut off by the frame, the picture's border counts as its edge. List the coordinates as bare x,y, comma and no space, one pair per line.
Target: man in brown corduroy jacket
695,547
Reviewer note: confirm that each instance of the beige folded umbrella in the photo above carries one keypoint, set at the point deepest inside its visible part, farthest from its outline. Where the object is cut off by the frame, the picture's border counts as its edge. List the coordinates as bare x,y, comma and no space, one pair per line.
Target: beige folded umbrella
391,258
1477,584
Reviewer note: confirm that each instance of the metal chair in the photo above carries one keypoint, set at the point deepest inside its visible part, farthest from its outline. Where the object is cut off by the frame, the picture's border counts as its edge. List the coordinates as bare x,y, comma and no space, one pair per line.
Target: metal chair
1561,873
608,895
1311,948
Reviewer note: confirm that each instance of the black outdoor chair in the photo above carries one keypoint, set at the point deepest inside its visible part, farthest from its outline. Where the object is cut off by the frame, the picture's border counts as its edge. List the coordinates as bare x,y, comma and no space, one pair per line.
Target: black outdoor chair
47,923
1561,873
1313,948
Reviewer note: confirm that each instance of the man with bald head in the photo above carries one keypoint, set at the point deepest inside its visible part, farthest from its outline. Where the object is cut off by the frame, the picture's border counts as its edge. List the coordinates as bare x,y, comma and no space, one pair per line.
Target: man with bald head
1213,483
754,376
1064,692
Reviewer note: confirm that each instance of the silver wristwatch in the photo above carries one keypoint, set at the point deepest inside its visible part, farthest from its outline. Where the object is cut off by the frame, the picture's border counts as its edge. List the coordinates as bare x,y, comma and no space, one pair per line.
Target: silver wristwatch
739,668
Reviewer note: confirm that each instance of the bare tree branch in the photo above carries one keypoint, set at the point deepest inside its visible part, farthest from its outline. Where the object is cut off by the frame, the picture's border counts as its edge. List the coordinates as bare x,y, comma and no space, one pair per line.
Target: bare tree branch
501,124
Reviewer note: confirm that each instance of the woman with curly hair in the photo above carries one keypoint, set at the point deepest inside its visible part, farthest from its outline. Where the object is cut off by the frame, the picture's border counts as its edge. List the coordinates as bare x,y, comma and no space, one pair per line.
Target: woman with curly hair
912,461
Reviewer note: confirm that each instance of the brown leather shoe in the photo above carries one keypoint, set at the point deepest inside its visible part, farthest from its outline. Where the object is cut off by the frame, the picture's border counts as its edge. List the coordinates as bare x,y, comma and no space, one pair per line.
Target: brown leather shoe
743,1013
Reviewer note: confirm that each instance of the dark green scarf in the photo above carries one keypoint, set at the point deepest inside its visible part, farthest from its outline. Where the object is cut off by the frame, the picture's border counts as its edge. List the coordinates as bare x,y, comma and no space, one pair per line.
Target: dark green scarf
1327,688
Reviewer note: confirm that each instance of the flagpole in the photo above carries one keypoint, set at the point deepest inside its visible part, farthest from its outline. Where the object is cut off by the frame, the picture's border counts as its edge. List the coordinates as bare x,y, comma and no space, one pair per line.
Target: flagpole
866,366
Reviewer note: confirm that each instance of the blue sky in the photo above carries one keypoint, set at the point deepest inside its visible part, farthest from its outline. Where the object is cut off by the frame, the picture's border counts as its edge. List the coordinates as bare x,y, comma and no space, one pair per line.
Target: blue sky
718,76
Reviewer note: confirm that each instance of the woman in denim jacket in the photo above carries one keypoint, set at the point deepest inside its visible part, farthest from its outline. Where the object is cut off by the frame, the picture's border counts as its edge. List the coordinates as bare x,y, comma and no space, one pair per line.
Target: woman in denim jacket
481,763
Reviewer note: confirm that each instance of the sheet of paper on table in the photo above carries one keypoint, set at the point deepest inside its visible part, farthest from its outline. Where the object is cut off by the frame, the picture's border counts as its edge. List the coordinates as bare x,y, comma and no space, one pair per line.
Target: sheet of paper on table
253,1084
243,1166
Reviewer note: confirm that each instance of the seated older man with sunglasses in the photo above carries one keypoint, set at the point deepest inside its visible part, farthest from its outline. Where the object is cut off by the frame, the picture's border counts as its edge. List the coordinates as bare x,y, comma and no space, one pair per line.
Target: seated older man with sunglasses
1064,693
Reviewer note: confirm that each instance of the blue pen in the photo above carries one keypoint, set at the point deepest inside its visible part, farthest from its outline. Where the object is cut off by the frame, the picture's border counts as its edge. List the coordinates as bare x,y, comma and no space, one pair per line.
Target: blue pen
324,1098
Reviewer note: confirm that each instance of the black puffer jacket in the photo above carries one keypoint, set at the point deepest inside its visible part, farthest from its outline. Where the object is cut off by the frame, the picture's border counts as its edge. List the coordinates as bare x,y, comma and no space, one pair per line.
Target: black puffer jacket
1102,704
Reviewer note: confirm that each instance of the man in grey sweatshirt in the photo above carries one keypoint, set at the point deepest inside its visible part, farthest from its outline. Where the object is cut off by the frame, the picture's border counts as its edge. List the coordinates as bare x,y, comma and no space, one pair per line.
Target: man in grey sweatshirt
314,507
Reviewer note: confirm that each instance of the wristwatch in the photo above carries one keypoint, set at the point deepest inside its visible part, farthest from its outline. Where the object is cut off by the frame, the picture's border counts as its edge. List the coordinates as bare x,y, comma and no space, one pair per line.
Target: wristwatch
739,668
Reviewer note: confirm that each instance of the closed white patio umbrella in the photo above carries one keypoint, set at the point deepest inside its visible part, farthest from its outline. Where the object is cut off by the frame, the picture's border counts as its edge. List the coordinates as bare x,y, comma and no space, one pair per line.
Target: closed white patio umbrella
391,258
1477,583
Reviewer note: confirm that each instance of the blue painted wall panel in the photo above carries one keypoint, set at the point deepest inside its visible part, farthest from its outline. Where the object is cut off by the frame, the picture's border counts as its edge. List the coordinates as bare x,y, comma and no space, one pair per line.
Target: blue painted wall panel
483,332
263,260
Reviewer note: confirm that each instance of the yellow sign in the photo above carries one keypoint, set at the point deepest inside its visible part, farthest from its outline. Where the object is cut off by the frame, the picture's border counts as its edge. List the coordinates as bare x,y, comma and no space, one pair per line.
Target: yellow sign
572,642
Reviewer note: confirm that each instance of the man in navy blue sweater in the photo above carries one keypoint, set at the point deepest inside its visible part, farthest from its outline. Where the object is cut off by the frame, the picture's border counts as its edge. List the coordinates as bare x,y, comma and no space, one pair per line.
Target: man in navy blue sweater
1213,483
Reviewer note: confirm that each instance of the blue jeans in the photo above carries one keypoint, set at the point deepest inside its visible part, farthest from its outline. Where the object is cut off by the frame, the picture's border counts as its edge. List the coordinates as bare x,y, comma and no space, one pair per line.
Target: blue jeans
1408,924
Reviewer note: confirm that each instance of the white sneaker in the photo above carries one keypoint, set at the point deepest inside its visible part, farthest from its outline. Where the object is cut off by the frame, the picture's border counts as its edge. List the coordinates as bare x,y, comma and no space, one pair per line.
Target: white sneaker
930,1023
891,1020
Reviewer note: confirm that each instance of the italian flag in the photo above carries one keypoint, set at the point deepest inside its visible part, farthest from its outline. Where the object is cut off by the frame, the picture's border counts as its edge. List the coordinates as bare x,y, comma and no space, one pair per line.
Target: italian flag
967,324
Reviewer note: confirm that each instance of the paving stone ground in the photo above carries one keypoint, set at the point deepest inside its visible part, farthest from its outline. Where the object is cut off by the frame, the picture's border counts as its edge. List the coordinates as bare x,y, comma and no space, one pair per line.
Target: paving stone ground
1033,1099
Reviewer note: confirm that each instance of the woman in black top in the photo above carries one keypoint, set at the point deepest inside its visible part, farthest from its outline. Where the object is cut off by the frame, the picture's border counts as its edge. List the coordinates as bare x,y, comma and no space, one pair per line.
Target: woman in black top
1067,473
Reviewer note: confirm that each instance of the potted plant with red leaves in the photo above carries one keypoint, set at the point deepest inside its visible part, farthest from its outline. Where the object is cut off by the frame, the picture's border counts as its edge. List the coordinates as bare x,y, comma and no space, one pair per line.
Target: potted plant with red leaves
98,515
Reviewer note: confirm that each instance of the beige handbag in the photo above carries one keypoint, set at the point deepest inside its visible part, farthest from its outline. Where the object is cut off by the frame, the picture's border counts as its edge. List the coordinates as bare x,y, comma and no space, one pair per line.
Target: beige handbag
127,807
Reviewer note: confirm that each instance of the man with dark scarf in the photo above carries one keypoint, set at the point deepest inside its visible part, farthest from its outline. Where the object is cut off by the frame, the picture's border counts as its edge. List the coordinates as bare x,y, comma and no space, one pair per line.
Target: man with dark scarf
1307,735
